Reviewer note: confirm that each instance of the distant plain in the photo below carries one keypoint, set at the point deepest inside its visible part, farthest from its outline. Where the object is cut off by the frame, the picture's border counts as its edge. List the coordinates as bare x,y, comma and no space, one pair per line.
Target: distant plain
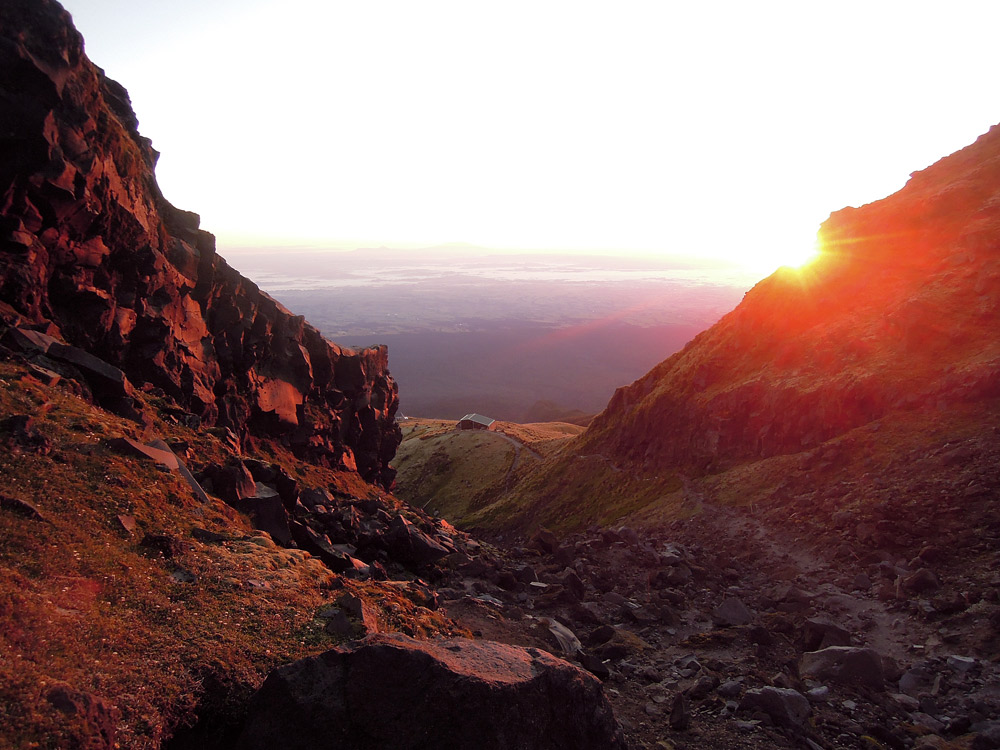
516,337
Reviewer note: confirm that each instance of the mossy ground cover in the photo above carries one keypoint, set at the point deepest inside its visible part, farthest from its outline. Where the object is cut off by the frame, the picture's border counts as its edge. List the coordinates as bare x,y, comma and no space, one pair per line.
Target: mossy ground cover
157,637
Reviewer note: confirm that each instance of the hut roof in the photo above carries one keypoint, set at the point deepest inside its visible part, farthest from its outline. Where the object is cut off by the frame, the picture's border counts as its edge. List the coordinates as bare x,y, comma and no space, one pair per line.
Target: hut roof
478,419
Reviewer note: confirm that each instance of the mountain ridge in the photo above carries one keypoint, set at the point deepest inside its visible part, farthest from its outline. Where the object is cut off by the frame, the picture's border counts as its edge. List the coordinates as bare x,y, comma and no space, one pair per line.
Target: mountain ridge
876,323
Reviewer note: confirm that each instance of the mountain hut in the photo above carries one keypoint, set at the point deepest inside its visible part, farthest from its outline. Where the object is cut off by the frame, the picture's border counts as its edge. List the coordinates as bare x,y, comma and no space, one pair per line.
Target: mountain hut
475,422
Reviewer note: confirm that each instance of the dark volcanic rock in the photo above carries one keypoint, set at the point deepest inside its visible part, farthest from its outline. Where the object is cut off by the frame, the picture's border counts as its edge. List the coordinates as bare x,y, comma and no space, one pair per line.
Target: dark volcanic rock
847,664
268,514
88,243
408,544
231,482
819,633
786,707
319,544
732,611
395,692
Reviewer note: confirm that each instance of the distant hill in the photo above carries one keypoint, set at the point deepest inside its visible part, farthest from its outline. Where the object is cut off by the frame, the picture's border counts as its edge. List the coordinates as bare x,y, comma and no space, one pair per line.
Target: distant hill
454,473
547,411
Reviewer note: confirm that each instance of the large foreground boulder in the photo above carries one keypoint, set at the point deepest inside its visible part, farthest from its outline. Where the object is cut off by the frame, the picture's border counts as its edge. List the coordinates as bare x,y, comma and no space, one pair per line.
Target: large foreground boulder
447,694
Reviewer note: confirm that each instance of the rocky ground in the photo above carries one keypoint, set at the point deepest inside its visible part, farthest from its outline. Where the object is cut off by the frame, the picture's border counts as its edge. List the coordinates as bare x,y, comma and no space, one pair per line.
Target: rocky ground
854,604
734,628
724,632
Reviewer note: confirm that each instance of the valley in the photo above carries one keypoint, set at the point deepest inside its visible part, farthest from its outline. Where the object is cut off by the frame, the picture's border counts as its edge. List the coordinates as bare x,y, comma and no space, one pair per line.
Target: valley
706,517
470,329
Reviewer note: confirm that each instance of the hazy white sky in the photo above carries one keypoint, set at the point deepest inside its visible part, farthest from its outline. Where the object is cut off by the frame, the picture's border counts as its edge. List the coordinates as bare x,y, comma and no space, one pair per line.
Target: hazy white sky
726,129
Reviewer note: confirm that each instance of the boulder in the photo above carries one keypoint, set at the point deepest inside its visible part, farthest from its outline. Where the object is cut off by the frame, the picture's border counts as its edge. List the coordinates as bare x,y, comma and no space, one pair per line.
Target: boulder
410,546
544,541
676,574
361,614
680,713
918,679
573,584
819,633
987,735
594,665
704,686
921,581
391,691
319,544
310,498
732,611
231,482
786,707
846,664
267,513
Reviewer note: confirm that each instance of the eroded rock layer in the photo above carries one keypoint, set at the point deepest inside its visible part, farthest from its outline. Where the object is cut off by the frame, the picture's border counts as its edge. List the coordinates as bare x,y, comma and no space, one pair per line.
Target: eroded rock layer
89,246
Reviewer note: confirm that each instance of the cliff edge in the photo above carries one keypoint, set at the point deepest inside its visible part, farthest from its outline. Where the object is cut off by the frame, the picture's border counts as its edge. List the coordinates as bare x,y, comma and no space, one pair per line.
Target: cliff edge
91,252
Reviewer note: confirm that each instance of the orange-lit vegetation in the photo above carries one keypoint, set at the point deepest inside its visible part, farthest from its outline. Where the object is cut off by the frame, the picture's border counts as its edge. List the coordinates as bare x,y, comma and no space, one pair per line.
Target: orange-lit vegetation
83,602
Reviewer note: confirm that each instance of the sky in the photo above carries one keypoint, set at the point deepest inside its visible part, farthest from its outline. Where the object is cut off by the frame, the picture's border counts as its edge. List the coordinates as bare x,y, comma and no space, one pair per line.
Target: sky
718,129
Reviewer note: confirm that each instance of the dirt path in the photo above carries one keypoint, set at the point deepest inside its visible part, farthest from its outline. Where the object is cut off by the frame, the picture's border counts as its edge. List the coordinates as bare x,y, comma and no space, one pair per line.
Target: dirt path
780,557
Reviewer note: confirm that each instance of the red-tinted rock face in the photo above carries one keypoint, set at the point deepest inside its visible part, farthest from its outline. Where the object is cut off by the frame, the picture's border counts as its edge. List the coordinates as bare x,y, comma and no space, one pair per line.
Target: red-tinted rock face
88,242
900,312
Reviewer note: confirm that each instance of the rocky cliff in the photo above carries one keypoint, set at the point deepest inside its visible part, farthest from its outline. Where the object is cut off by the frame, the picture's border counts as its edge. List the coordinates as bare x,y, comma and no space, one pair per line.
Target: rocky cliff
90,251
900,312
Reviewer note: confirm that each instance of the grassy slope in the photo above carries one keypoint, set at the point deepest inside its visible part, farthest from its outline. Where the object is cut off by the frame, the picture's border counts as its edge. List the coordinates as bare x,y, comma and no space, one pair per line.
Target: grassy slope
463,476
895,459
82,602
457,473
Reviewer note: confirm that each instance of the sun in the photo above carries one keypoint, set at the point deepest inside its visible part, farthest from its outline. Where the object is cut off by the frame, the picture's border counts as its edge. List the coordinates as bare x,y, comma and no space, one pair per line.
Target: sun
769,257
800,256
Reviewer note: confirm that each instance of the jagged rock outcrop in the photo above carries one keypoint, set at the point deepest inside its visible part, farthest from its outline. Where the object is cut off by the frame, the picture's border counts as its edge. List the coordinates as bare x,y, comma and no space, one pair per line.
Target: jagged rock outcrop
448,693
899,312
92,252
